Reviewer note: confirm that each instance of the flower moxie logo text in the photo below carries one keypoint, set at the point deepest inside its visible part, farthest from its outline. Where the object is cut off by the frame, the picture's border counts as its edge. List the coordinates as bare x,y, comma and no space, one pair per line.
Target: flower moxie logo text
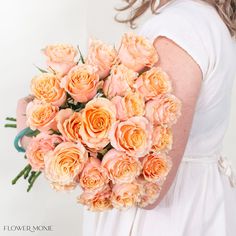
29,228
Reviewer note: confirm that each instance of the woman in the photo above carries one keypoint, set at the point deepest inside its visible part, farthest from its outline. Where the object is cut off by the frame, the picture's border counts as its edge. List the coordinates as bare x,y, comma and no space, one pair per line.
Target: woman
194,40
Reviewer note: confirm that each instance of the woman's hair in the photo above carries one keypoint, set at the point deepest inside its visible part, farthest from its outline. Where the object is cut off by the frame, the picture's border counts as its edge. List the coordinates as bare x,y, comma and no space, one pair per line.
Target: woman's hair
225,8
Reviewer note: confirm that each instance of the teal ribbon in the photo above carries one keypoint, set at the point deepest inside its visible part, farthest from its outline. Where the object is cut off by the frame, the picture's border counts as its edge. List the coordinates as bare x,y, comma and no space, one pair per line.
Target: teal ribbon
18,137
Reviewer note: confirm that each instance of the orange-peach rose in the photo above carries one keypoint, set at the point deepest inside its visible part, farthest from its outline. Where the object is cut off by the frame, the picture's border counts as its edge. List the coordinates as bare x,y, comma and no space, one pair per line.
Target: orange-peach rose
153,82
41,116
156,167
163,110
133,136
39,147
162,139
97,200
81,82
121,167
120,81
102,56
94,176
68,123
125,195
97,118
46,88
136,52
132,104
65,163
61,57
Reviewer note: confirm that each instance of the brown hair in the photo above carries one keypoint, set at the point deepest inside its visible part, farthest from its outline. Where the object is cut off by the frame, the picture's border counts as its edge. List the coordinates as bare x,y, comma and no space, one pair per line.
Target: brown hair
225,8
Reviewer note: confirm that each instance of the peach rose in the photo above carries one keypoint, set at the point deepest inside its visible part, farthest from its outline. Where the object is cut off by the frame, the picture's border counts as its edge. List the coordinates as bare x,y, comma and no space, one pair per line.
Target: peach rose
97,118
81,83
121,168
162,139
125,195
156,167
93,176
46,88
120,81
39,147
101,56
68,123
153,83
41,116
163,110
149,192
97,200
61,57
136,52
134,136
132,104
65,163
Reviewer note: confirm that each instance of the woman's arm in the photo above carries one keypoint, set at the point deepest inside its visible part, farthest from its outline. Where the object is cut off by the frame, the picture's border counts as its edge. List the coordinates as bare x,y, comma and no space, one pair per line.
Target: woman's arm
186,77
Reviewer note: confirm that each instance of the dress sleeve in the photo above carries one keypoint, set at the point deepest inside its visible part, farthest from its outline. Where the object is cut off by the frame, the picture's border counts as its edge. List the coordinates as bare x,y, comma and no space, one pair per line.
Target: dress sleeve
183,29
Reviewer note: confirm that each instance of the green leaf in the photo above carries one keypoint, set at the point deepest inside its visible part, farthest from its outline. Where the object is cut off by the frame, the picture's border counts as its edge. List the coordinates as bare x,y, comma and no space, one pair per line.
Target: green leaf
81,56
41,70
31,133
11,118
10,125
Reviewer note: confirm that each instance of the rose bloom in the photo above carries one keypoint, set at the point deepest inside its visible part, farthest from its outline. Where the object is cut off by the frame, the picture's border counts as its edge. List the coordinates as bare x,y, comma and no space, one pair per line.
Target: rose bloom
39,146
149,192
97,118
93,176
97,200
163,110
133,136
102,56
153,83
162,138
65,163
81,83
41,116
125,195
136,52
61,57
132,104
121,167
46,87
120,81
156,167
68,123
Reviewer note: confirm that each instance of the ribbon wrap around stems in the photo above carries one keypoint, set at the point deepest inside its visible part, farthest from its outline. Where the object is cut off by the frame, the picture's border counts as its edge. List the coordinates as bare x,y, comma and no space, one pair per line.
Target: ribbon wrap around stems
18,137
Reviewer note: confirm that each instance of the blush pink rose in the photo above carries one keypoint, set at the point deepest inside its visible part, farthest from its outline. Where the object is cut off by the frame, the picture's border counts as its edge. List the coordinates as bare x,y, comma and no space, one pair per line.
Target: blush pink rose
133,136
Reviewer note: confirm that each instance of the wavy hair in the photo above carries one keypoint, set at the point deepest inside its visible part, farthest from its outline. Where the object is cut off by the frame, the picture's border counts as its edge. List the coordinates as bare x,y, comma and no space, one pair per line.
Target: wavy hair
225,8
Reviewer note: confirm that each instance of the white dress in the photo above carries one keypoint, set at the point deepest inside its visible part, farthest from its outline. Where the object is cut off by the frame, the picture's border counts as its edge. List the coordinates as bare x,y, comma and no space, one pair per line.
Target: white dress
202,199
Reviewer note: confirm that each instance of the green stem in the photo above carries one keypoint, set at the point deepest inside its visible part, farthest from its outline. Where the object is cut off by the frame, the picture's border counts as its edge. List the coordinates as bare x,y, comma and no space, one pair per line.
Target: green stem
11,118
32,174
20,174
10,125
27,173
33,180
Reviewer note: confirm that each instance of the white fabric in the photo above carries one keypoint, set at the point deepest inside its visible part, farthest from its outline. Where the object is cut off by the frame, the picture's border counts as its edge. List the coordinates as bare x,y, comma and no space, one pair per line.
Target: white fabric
201,200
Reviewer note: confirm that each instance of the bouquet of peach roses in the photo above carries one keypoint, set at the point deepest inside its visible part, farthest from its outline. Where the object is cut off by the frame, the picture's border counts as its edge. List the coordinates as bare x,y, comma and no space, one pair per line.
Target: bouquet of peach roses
102,123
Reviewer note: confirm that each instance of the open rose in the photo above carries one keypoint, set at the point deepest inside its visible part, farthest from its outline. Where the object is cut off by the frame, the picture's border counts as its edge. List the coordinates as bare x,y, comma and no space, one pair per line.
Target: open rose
136,52
153,83
125,195
163,110
65,163
132,104
156,167
68,123
101,56
41,116
97,200
46,87
93,176
120,81
97,118
39,147
61,57
81,83
162,139
133,136
121,167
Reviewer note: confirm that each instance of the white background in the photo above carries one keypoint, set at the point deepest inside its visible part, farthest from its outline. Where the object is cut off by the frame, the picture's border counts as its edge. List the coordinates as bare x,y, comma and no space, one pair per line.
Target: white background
26,26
